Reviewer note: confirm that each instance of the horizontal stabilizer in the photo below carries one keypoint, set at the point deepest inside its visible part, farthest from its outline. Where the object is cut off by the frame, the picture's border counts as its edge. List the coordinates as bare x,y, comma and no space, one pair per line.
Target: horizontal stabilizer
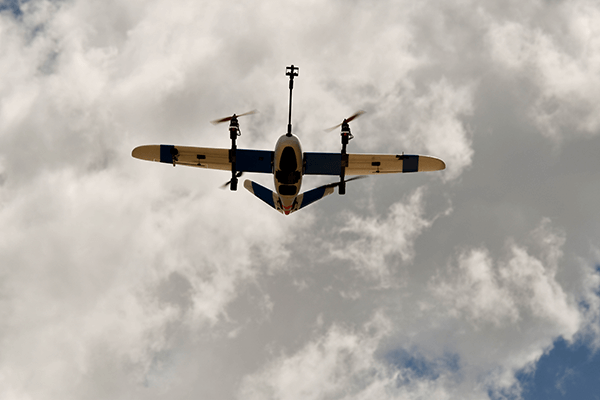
266,195
313,195
303,200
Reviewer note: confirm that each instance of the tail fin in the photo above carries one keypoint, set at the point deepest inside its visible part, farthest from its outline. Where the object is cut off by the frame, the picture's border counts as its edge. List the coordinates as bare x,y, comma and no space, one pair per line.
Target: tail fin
266,195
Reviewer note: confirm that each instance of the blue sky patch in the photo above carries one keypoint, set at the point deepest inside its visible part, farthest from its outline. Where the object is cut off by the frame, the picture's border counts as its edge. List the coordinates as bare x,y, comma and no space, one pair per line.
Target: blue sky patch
566,372
421,366
14,6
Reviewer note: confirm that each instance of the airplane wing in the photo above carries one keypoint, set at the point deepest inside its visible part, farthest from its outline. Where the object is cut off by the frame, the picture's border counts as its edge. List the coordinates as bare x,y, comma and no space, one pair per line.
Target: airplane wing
206,157
367,164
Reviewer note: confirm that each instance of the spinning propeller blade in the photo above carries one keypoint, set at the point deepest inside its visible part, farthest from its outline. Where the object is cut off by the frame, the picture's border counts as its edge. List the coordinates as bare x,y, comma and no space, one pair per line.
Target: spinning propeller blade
237,175
218,121
332,185
354,116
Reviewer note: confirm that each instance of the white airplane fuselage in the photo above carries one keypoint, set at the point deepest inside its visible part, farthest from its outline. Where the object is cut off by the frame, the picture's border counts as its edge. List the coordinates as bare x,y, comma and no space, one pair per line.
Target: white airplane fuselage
287,171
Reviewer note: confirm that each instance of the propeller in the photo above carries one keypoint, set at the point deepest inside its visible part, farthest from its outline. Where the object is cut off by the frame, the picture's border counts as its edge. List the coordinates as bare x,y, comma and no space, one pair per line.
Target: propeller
237,175
218,121
354,116
332,185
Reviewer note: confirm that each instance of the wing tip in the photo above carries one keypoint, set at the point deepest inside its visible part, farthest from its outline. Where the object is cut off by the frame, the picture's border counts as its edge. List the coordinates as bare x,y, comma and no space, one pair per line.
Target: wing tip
431,163
146,152
443,164
248,185
138,152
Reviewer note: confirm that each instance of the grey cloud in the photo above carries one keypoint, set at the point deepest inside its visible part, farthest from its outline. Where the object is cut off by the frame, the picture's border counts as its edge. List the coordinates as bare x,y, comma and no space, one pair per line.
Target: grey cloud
127,279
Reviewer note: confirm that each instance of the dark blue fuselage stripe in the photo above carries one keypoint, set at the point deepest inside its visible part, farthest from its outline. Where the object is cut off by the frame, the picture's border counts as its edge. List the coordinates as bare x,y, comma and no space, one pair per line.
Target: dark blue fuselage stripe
166,154
410,164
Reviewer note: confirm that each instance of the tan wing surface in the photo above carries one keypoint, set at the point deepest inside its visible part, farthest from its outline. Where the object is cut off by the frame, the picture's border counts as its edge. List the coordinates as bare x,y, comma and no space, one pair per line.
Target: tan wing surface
203,157
206,157
367,164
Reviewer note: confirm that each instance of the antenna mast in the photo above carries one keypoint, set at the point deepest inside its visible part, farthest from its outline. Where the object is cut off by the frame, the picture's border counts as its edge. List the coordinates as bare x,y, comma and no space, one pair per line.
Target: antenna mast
291,71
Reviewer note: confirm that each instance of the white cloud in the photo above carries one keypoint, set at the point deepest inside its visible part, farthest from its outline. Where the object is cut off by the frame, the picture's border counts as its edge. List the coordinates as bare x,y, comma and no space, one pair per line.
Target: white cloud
84,265
343,364
326,367
370,242
125,279
478,292
590,298
563,66
522,287
518,301
421,121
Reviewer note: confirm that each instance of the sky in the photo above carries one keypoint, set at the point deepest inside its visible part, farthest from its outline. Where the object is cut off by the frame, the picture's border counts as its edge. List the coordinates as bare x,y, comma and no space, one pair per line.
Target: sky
124,279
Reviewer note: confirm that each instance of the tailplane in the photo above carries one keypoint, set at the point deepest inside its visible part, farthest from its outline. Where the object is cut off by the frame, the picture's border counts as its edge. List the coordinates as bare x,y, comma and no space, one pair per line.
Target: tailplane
303,200
266,195
313,195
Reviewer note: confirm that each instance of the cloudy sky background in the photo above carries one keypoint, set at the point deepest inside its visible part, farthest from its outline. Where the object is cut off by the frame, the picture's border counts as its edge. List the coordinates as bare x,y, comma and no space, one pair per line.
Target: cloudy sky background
124,279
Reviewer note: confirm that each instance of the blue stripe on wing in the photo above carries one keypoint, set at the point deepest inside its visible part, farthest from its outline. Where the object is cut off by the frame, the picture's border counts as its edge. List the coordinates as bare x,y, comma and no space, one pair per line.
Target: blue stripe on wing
254,161
322,163
410,163
166,153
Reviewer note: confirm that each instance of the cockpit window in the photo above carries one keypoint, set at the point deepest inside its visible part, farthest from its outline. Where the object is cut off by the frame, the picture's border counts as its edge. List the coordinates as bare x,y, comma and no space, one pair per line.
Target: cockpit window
287,173
288,162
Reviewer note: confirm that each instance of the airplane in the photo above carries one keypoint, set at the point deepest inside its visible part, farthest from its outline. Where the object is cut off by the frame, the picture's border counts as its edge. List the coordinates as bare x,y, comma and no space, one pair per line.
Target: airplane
288,163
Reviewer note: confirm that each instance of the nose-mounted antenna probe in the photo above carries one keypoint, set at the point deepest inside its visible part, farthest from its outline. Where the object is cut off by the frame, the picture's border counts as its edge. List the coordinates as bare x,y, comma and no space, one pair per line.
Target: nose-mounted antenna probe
291,71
